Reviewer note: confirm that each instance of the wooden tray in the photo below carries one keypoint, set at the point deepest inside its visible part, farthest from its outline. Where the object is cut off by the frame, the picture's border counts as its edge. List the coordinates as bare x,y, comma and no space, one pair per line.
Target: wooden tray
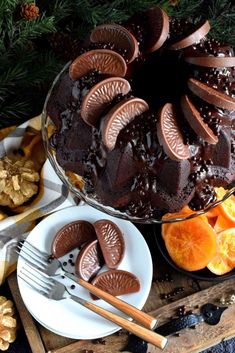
194,295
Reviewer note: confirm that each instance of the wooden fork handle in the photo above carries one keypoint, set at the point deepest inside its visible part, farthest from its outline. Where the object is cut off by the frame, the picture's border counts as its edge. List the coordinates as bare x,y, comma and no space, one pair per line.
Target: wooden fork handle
143,318
142,332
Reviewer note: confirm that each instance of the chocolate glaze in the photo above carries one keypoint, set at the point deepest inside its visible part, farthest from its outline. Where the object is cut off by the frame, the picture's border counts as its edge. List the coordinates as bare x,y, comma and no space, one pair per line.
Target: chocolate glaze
137,176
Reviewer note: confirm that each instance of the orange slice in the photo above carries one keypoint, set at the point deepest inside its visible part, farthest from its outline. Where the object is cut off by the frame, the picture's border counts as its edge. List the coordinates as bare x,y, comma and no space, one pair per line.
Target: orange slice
227,208
182,213
222,223
224,261
219,265
191,244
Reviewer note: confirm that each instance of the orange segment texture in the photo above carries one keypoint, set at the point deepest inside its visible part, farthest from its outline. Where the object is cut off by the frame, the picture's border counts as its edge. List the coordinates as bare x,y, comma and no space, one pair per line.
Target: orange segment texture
191,244
227,207
204,241
219,265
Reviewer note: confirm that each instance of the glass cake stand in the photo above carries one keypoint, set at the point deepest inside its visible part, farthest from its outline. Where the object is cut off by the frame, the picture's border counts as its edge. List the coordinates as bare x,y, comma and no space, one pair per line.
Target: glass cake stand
48,126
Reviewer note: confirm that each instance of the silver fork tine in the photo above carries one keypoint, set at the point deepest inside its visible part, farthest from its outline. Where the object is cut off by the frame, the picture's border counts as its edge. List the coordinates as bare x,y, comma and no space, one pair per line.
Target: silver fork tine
38,276
34,249
27,252
31,284
34,283
42,267
27,247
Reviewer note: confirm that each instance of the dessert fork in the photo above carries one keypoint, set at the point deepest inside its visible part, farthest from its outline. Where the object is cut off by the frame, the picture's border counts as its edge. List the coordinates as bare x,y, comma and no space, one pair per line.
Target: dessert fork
54,290
53,267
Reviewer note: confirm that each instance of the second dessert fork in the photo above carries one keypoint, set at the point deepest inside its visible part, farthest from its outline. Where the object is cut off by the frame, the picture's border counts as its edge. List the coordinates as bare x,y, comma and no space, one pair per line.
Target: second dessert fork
54,290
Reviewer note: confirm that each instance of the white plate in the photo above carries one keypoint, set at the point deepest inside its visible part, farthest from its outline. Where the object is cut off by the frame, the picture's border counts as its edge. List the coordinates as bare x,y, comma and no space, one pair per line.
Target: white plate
66,317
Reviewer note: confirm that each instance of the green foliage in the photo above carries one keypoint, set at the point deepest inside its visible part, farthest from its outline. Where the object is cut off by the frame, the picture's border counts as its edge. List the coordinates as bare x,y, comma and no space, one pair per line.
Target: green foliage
28,62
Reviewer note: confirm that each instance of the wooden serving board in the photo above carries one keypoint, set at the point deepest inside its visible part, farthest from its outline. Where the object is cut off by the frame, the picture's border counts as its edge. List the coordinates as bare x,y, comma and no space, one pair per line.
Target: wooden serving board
165,280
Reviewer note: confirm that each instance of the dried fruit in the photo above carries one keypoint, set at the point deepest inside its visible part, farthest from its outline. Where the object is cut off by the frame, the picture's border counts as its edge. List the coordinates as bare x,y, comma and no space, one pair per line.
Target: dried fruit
7,323
111,242
227,207
104,60
89,260
75,179
71,236
169,134
219,265
211,95
191,244
118,117
183,213
117,282
192,38
123,40
98,98
196,121
18,181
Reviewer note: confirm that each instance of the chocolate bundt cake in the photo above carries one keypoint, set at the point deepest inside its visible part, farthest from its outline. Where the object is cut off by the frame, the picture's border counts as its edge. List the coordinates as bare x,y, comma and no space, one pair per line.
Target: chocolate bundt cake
146,115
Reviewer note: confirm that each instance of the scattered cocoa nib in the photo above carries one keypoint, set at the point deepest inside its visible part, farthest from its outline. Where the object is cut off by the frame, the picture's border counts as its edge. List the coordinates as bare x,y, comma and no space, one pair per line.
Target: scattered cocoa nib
99,341
165,278
120,333
172,294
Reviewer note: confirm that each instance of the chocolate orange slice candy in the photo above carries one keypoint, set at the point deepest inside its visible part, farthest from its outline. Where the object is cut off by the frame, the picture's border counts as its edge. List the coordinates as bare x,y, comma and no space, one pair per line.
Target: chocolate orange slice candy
111,242
169,134
157,28
118,35
118,117
104,60
211,95
71,236
117,282
196,121
89,261
100,96
211,61
192,38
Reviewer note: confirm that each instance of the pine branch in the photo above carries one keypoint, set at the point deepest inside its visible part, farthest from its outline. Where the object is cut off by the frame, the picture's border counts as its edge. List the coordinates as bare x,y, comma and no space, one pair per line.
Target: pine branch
28,30
13,111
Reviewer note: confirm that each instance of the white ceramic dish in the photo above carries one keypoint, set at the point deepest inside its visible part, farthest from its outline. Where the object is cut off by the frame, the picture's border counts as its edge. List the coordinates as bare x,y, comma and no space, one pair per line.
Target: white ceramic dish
66,317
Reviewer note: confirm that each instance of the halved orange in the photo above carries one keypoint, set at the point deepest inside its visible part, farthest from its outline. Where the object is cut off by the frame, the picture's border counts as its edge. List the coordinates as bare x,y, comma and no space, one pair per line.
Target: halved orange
227,207
191,244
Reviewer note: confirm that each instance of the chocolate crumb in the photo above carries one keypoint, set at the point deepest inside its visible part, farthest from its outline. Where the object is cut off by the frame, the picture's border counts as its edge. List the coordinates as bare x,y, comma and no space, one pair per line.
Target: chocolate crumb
99,341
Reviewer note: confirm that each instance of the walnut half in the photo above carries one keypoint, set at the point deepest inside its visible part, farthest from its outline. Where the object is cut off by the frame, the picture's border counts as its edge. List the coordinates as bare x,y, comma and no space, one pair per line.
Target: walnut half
8,324
17,182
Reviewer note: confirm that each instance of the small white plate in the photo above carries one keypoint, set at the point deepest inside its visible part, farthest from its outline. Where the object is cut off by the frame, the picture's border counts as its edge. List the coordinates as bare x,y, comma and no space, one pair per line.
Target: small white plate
66,317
